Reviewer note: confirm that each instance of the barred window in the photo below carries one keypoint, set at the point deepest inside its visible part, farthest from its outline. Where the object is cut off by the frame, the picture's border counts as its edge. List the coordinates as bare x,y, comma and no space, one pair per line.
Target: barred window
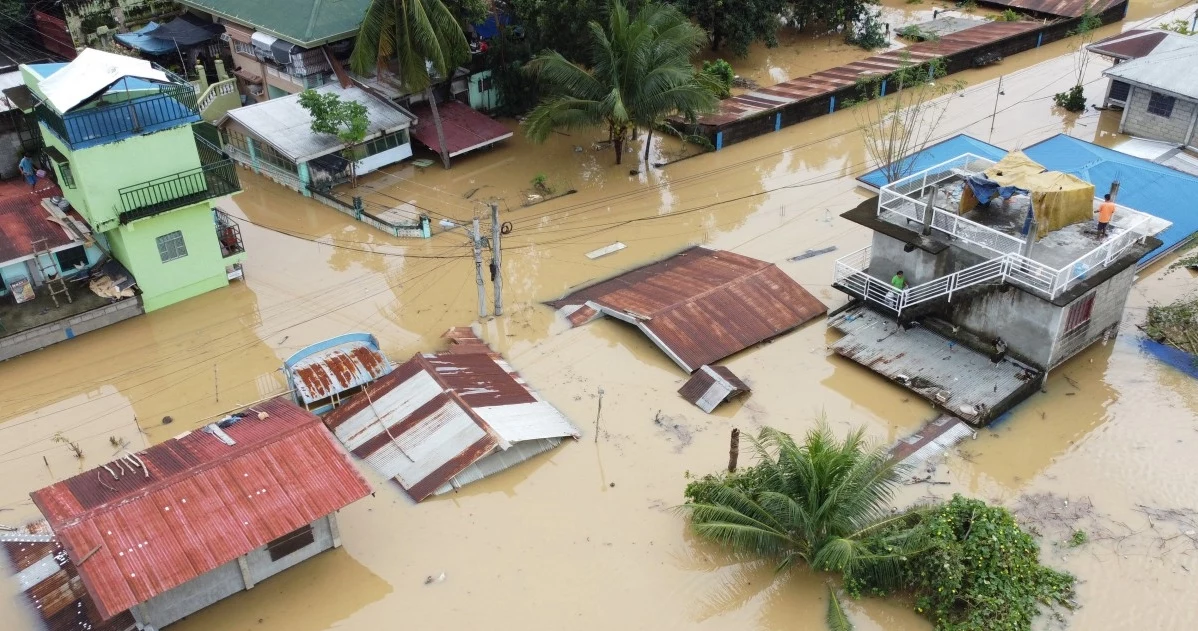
1079,314
1160,104
171,246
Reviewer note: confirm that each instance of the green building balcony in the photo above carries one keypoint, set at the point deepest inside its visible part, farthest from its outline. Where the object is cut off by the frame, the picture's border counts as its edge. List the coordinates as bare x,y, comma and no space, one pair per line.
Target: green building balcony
129,108
216,177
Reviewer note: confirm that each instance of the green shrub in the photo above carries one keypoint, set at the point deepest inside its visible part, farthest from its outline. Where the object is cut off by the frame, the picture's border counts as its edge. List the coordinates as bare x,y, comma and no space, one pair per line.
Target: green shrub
721,74
1073,99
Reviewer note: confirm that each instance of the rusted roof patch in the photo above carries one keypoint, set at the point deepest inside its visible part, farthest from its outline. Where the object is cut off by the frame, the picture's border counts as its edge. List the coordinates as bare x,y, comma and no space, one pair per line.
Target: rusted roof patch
711,386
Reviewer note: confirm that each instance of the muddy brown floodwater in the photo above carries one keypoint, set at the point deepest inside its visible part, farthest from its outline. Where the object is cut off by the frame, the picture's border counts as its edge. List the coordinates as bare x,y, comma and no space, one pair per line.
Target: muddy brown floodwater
583,537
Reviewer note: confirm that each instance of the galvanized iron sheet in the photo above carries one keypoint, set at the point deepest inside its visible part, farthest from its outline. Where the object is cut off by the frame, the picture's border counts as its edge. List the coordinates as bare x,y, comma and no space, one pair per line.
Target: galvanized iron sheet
702,305
711,386
209,504
336,370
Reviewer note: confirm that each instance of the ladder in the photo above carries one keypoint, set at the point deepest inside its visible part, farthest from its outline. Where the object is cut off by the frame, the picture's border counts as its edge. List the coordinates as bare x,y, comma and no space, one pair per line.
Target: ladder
51,273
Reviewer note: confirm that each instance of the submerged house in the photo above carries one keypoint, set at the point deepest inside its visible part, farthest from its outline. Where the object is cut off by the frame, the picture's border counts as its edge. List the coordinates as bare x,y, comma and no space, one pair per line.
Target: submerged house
698,306
1006,279
164,532
1152,81
325,374
443,420
275,139
120,136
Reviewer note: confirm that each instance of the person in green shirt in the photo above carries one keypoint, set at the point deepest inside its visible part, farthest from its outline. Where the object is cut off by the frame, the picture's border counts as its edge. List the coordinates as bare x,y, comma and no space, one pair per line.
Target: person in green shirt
899,281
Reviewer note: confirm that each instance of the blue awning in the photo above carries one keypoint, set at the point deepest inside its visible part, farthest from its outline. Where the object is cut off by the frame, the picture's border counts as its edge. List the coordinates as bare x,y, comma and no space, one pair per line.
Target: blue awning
138,40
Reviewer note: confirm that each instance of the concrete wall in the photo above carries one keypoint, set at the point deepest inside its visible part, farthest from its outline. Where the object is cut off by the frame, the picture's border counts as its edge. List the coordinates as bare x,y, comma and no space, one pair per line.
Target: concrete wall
1028,324
203,269
1137,121
228,579
1107,312
47,334
10,154
887,257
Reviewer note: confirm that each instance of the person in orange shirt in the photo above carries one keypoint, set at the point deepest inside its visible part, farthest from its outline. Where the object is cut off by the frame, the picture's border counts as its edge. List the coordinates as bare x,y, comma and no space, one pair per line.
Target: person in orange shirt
1106,210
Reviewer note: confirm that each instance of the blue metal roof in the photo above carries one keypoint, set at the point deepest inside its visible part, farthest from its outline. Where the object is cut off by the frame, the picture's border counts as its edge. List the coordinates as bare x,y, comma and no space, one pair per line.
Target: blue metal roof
139,40
937,153
1143,185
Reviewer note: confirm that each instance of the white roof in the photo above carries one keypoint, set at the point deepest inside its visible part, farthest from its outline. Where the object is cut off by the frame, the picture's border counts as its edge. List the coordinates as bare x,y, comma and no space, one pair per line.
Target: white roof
287,126
1169,72
91,72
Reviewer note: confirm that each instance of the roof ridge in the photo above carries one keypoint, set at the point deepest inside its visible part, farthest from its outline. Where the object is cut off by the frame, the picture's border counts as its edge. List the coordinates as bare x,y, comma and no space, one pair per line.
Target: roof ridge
165,482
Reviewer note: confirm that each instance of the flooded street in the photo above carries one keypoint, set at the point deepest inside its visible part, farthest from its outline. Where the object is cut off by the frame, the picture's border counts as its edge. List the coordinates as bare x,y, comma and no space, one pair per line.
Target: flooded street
583,537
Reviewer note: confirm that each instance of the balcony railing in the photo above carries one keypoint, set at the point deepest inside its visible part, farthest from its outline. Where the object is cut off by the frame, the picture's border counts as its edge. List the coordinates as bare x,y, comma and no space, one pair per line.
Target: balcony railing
137,109
228,233
216,177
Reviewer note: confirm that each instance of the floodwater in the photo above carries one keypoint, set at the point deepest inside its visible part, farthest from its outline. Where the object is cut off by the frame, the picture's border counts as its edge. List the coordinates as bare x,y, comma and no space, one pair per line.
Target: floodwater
583,537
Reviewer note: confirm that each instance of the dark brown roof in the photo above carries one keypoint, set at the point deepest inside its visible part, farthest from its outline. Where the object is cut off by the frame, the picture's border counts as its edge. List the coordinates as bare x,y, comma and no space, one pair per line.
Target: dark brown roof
1058,8
711,386
1138,43
701,305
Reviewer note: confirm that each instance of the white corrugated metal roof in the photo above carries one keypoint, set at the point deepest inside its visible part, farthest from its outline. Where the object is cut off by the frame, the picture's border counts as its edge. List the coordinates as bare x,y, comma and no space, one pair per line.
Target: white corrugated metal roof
423,424
1169,72
91,72
287,126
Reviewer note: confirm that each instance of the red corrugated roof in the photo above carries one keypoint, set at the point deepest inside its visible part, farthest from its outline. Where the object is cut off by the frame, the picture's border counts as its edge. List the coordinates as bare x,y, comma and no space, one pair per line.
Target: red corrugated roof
23,221
203,504
703,305
53,590
464,128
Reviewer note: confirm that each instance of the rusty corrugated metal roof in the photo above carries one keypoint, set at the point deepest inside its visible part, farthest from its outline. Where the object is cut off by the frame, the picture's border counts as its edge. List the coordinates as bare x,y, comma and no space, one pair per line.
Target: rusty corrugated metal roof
702,305
438,414
825,82
1059,8
202,504
50,583
337,369
711,386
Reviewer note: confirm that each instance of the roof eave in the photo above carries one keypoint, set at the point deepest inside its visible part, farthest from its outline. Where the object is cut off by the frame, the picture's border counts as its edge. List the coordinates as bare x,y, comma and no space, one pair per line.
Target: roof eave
1149,86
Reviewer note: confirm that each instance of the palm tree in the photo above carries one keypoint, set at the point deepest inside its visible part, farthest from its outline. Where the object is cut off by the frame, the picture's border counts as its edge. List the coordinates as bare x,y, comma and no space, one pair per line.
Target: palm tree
420,36
640,74
823,503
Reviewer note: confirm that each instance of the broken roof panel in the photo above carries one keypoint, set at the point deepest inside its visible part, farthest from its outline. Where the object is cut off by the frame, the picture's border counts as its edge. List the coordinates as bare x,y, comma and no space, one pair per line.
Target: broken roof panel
197,502
50,583
334,366
442,420
701,305
711,386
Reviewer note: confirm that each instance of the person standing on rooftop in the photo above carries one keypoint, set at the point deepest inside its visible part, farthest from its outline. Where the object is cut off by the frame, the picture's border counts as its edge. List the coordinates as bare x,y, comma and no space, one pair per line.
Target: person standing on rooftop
1106,210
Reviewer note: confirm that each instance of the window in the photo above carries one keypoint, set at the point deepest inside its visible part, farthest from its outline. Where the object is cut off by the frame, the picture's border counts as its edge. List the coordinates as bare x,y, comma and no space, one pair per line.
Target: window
386,143
171,246
293,541
69,259
243,48
54,156
1079,314
484,84
1160,104
1119,91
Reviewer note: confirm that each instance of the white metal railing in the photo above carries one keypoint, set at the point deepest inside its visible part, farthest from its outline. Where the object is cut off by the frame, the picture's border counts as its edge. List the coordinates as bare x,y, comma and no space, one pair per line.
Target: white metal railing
852,272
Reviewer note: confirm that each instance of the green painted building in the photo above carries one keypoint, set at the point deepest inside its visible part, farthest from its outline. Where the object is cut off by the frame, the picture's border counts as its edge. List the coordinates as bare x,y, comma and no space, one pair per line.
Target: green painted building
122,137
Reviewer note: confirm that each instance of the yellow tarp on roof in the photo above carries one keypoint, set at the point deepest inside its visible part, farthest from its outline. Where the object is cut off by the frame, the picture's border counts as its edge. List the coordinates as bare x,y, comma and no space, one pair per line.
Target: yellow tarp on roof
1058,199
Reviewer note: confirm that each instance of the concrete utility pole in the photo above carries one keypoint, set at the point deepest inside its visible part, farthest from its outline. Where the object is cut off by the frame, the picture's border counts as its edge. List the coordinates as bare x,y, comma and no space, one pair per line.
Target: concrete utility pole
478,270
994,115
496,271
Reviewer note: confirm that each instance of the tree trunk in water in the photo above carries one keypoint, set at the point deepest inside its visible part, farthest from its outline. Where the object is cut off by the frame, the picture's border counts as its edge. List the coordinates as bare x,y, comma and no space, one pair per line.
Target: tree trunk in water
733,450
618,144
432,105
648,143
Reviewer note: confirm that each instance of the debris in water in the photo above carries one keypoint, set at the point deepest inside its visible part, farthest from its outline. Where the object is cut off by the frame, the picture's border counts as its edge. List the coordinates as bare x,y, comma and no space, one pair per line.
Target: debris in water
431,579
605,250
166,420
810,253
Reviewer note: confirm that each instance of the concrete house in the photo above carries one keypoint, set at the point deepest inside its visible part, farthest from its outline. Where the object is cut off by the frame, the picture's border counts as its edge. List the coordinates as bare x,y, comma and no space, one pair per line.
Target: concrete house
1153,82
166,531
120,136
999,291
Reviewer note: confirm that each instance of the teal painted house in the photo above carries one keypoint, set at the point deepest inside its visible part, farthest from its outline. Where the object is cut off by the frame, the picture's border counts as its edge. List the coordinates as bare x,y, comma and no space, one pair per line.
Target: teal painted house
121,135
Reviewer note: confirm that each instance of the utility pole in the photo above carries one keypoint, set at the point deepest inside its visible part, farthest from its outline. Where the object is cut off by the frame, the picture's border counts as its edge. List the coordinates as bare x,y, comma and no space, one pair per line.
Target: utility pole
995,114
496,272
478,269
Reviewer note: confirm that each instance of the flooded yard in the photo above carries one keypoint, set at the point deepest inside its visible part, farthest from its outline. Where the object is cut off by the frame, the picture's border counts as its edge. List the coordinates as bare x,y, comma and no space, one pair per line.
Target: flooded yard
583,537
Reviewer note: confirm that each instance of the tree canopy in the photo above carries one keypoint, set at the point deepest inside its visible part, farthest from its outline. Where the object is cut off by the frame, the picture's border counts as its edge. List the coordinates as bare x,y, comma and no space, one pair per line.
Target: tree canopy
736,23
415,35
348,120
639,73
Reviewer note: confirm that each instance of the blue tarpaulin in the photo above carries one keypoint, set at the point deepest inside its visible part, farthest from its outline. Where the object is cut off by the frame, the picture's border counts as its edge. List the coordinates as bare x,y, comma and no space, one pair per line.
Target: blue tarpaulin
490,28
138,40
985,189
1143,185
1174,357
